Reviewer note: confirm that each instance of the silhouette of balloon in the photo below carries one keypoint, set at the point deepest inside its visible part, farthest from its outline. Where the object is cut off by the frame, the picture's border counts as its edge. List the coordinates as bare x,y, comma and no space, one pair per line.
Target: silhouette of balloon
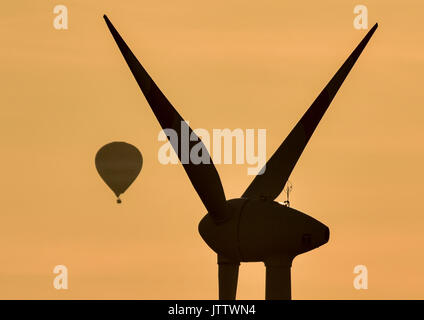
118,163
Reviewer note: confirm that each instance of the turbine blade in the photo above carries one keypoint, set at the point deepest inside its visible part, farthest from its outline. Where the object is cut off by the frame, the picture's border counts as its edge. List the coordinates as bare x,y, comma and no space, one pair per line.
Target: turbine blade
203,176
227,278
279,167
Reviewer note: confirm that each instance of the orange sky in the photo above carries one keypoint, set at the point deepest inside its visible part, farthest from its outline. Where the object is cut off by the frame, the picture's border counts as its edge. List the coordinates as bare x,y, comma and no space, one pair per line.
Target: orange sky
223,64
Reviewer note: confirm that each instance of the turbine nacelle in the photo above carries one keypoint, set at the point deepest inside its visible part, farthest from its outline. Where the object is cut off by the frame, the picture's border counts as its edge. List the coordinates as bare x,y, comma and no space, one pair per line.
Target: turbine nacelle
262,230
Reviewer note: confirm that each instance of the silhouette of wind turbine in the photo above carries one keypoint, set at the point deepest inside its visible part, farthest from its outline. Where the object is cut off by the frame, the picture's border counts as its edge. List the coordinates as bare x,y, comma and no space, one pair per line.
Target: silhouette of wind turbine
253,227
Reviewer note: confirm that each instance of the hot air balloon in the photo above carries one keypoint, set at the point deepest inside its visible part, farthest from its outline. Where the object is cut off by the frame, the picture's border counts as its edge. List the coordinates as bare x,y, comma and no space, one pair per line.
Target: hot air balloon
118,163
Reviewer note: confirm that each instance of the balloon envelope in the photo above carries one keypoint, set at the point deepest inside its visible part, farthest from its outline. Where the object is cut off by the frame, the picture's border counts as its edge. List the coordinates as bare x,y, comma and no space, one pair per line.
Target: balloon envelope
118,163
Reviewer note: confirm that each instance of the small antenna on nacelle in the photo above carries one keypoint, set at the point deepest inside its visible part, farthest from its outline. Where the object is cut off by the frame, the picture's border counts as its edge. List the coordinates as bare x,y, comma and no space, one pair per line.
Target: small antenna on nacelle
288,188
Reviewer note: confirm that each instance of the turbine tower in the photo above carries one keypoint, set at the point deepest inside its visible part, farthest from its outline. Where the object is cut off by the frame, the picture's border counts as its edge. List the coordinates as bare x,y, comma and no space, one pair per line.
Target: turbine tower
253,227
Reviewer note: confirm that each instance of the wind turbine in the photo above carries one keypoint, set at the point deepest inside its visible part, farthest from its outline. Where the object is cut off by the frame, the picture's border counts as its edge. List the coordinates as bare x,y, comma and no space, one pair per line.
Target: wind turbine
253,227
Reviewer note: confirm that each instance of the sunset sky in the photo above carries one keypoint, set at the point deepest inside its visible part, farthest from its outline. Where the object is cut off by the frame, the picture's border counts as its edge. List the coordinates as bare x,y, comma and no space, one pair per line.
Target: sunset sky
223,64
